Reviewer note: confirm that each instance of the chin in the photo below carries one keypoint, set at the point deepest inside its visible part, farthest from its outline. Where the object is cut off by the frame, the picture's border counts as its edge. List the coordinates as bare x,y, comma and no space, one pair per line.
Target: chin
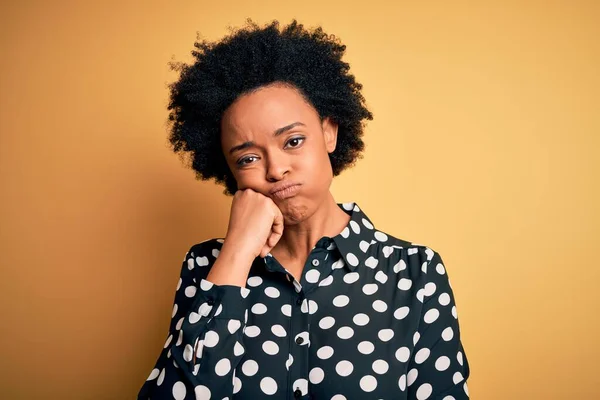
294,210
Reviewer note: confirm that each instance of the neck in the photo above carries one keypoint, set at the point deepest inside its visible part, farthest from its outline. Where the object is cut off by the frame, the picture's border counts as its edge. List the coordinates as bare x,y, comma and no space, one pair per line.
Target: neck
298,240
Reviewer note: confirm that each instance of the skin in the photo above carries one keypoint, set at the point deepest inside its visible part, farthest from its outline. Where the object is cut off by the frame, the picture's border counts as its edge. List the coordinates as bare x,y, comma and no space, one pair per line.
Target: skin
298,155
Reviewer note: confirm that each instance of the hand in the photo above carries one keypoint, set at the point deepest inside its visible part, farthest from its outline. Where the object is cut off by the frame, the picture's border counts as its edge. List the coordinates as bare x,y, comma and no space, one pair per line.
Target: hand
255,223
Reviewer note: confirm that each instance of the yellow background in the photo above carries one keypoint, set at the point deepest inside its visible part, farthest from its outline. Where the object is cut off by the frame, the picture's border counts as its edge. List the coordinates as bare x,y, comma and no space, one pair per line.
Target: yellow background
484,147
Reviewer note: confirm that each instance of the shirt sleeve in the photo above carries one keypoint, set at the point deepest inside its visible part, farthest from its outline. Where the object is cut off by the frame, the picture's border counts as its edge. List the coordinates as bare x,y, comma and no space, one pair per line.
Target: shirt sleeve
438,367
205,339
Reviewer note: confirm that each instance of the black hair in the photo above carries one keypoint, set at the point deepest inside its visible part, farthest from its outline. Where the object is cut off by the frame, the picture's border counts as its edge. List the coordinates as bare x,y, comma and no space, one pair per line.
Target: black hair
247,59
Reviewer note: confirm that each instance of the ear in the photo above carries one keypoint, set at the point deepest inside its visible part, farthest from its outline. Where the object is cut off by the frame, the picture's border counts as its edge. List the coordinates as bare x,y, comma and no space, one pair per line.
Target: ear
330,131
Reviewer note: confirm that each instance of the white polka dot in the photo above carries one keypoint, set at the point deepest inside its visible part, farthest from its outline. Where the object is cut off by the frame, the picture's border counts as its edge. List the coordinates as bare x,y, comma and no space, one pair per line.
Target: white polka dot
416,337
381,277
402,354
402,383
325,352
161,377
366,347
338,264
447,334
270,347
368,383
380,367
237,383
258,308
420,294
351,277
348,206
387,250
400,266
382,237
352,260
424,267
431,315
442,363
379,306
454,314
371,262
250,367
188,352
254,281
457,377
326,322
459,357
211,338
233,325
448,398
153,374
344,368
345,232
190,291
341,301
175,307
286,310
370,288
202,261
327,281
355,227
289,362
385,335
361,319
412,251
312,276
429,288
316,375
345,332
309,305
367,224
223,367
444,299
466,389
168,342
272,292
364,245
412,376
238,349
422,355
404,284
178,284
401,312
302,385
424,391
202,392
440,269
338,397
278,330
252,331
268,385
206,285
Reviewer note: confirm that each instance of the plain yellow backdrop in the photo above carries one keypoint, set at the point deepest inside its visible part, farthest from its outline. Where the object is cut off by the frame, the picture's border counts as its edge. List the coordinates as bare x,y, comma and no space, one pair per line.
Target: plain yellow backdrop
485,146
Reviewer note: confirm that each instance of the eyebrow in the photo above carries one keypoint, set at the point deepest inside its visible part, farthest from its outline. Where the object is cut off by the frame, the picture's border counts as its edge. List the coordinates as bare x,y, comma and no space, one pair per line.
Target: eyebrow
277,132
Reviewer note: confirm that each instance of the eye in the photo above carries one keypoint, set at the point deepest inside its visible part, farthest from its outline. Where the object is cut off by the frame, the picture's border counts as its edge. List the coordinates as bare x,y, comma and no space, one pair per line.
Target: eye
245,161
295,141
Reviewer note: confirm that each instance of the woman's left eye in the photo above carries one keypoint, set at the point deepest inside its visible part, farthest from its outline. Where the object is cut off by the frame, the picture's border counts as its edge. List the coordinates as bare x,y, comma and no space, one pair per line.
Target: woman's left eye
295,142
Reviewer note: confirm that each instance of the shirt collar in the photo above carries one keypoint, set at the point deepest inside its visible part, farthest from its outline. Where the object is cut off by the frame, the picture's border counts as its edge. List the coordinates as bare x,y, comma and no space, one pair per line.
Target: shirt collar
354,240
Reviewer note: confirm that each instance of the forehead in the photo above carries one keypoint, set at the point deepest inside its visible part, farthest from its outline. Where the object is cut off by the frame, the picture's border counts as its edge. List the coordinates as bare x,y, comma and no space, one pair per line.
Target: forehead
265,110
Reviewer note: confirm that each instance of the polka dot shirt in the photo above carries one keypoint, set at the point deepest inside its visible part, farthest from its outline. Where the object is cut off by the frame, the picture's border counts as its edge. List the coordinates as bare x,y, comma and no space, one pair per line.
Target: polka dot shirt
373,317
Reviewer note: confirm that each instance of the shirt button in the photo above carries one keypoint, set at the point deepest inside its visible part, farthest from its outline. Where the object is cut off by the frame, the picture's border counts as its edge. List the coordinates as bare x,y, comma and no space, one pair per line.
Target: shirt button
210,302
299,301
299,340
315,262
297,393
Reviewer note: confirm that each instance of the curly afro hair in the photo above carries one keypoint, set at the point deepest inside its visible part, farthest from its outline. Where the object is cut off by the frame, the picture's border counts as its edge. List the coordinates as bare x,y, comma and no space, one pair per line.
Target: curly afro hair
247,59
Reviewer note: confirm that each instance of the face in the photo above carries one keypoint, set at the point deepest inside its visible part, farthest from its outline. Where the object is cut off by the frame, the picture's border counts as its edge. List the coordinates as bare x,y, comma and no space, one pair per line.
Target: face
273,138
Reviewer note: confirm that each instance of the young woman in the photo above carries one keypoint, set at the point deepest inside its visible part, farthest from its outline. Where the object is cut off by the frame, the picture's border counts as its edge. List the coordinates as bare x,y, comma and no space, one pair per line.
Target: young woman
304,298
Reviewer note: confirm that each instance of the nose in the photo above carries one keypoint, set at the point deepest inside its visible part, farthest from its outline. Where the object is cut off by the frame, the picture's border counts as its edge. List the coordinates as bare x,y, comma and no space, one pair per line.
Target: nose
277,167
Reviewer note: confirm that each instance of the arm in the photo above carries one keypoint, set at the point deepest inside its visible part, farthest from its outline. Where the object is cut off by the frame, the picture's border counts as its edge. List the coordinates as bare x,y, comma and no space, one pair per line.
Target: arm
438,368
205,339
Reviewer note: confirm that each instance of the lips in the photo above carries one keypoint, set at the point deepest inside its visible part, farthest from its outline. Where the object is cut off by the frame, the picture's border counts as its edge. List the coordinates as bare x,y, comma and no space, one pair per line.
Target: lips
286,191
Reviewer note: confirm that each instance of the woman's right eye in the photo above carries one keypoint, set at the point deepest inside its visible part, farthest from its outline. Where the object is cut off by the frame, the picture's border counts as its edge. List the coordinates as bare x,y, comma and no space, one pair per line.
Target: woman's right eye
244,161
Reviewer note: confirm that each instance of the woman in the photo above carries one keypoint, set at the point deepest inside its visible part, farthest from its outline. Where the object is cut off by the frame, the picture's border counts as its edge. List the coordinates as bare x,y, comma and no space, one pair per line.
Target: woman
304,298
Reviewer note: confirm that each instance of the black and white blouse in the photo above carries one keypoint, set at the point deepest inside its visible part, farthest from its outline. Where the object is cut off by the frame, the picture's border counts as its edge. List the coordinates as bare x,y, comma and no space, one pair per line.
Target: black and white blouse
373,317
